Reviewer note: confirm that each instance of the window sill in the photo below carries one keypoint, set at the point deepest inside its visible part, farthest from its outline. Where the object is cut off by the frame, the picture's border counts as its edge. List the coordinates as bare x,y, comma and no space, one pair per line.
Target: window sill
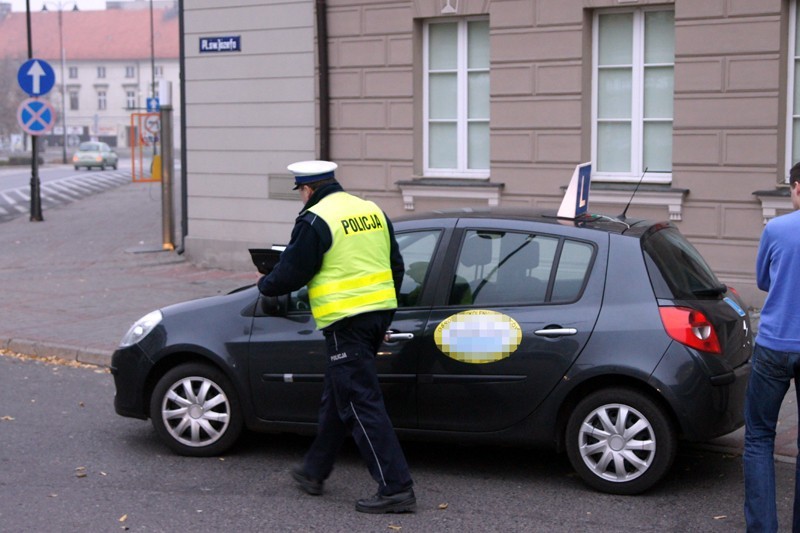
449,188
647,195
774,200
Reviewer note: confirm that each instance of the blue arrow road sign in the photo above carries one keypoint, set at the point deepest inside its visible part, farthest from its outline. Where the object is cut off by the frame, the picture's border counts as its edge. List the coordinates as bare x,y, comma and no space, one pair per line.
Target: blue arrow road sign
153,105
35,116
36,77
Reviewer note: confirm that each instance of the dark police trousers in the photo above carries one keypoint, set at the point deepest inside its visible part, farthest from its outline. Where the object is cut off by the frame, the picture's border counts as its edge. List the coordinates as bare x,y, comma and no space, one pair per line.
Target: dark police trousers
352,403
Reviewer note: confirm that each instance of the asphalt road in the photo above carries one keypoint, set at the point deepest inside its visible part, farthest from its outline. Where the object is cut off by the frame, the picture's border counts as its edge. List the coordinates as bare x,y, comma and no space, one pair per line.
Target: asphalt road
69,463
59,185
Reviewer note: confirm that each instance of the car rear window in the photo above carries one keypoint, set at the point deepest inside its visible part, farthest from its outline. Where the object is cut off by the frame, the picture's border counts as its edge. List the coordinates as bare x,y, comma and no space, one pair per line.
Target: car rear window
676,268
89,147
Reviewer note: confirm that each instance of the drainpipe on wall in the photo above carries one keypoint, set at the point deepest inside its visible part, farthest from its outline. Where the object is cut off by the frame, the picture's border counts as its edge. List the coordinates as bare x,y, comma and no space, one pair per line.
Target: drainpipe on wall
182,90
324,95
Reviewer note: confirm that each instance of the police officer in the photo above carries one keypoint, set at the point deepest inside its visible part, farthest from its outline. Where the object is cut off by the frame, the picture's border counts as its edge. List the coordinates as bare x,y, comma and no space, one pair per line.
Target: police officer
344,249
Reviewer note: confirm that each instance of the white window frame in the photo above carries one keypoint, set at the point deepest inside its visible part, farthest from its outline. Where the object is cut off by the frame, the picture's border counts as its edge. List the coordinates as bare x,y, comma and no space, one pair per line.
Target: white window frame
790,89
462,140
102,100
73,73
130,71
637,111
130,99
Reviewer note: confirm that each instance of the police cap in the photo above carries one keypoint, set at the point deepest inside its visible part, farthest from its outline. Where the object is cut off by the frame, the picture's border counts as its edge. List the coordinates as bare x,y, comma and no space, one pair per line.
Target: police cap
306,172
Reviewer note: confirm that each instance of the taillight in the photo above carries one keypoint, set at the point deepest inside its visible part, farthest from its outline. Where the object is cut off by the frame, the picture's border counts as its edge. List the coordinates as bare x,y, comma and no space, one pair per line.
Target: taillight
690,327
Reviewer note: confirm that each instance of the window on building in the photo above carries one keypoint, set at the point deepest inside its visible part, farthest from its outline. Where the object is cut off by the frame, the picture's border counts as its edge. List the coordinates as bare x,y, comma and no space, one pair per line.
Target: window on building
633,82
130,72
102,102
73,72
793,92
101,72
456,98
130,99
73,101
158,71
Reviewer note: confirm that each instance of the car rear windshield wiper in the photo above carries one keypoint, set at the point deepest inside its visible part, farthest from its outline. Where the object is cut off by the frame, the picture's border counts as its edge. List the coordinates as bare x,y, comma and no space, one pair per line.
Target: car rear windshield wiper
711,291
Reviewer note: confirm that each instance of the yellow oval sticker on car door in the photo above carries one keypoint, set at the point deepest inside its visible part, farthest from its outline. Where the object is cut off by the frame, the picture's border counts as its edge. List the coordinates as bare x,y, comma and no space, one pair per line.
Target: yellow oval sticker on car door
478,336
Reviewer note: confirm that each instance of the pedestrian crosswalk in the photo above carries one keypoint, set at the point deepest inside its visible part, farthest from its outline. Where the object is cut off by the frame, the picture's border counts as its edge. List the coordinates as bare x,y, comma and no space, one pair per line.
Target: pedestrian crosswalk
16,202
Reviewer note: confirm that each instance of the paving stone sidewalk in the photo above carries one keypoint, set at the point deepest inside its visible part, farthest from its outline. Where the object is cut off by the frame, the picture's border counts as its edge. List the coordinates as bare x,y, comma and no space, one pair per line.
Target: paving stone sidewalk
73,284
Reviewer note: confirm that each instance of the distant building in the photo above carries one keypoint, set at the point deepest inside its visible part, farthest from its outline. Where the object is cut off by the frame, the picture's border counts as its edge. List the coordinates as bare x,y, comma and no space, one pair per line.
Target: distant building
110,64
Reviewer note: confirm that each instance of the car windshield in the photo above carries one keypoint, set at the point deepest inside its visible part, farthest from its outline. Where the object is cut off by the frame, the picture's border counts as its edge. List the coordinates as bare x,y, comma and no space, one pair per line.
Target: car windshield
676,268
89,147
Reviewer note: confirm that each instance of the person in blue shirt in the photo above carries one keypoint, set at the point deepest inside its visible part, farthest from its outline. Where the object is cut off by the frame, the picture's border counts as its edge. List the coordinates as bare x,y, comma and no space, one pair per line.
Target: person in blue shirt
776,360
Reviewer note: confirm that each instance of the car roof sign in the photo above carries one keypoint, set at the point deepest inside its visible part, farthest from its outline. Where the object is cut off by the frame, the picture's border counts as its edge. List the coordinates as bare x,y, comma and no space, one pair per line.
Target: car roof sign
576,200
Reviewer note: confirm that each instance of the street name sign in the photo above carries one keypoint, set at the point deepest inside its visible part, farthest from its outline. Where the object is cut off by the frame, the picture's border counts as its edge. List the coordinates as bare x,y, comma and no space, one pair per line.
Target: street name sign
231,43
36,77
36,116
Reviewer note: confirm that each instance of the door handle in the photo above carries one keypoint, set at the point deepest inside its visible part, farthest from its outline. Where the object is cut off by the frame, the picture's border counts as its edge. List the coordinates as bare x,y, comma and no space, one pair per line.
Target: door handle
556,332
393,336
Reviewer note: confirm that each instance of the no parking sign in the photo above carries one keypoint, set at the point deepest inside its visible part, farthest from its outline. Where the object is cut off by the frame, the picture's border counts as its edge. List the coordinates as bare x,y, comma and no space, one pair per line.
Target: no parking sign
36,116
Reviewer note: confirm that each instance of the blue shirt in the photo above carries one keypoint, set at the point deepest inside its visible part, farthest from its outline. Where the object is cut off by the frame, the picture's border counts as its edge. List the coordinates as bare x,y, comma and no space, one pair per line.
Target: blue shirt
778,273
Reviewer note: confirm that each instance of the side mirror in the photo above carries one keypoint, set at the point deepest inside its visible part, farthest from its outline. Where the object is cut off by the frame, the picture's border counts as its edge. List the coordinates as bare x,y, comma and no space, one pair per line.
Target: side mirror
275,305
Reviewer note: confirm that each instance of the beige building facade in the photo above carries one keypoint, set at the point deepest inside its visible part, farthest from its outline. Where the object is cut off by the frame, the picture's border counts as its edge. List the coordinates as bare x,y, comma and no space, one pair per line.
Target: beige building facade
437,104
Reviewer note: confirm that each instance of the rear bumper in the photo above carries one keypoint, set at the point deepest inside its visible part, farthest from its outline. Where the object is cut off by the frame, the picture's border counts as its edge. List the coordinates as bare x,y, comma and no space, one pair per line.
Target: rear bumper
706,406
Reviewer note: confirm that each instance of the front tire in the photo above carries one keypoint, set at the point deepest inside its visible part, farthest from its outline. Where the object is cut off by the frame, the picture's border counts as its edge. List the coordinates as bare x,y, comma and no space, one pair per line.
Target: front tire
620,441
195,410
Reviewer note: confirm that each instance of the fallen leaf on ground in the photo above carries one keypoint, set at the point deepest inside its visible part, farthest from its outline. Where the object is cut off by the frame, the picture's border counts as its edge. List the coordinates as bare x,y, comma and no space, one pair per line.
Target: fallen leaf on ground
7,418
720,517
443,506
123,518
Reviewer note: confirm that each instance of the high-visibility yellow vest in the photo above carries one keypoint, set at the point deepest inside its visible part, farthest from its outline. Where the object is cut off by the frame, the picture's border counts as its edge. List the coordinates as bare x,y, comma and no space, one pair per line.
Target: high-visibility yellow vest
356,274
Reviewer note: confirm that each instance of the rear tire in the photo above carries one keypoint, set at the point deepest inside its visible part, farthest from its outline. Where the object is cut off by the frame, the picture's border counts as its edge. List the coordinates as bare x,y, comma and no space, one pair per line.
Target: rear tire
195,410
620,441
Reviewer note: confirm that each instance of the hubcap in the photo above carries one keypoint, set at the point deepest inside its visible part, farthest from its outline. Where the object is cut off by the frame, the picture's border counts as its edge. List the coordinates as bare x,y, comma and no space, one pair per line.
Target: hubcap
195,411
617,442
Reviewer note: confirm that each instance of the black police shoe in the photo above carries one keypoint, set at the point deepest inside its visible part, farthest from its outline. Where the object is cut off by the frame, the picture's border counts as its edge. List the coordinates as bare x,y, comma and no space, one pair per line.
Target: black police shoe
399,502
308,484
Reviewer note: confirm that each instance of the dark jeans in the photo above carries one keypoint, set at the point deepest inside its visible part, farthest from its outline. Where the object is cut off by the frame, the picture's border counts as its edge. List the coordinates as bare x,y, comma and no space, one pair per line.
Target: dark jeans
352,404
769,381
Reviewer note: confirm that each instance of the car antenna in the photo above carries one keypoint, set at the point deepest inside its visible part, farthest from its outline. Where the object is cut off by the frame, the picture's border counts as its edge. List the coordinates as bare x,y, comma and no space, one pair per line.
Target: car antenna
625,211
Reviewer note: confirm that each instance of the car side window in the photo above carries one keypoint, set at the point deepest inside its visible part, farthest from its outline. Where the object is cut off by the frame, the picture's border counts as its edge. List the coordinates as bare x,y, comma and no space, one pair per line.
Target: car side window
417,249
573,267
499,268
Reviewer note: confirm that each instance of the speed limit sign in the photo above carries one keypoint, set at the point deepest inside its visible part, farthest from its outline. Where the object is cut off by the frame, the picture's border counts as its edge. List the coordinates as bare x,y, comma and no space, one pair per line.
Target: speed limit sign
152,127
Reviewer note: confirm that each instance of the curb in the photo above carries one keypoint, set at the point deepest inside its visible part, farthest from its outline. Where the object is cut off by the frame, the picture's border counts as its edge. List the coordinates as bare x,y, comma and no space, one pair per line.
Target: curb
89,356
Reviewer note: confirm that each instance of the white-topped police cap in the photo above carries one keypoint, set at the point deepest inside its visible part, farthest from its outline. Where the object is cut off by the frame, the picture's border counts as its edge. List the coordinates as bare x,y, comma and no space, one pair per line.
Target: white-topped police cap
306,172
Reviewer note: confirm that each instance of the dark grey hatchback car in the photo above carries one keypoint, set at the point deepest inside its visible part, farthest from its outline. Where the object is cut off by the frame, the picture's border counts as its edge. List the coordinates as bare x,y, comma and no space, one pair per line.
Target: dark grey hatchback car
608,338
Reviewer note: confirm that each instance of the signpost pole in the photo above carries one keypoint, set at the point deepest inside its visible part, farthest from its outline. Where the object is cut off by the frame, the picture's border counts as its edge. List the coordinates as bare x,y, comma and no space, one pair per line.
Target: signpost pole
36,201
167,166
